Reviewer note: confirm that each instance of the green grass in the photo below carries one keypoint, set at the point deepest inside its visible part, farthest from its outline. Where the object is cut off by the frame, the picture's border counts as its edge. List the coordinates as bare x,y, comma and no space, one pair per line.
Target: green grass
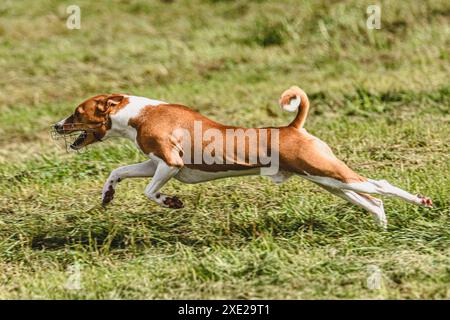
380,98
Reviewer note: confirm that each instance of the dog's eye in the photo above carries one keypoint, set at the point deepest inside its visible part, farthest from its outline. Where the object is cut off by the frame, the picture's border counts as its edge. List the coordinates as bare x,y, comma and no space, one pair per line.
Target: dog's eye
76,116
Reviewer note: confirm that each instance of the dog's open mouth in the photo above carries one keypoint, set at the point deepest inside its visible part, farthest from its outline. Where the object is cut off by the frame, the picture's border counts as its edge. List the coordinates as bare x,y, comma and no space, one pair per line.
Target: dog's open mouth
75,145
72,141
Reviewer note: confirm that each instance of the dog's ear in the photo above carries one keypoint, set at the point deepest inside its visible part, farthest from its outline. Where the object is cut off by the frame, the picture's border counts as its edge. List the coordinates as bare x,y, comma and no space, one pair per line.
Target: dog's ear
109,102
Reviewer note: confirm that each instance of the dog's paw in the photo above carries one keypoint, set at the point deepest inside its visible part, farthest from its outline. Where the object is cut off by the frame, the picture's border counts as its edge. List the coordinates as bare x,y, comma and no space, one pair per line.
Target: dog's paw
108,195
173,202
426,202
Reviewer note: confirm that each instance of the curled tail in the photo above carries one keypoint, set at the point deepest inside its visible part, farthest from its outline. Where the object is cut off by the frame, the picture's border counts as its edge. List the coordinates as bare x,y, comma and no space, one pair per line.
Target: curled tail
293,99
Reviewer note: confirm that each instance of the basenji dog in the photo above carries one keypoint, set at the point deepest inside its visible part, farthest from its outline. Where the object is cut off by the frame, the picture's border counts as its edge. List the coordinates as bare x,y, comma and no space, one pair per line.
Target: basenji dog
176,139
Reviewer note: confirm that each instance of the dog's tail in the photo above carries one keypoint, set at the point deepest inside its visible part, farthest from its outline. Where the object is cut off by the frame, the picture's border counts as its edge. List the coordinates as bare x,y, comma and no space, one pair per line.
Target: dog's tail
293,99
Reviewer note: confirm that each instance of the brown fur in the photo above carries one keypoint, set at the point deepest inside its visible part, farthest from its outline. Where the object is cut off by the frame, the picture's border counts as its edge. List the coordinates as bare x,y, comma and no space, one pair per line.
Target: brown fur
299,151
303,109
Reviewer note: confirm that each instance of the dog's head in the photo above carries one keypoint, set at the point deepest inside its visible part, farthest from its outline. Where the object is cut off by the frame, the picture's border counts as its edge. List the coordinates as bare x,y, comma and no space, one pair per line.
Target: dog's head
90,119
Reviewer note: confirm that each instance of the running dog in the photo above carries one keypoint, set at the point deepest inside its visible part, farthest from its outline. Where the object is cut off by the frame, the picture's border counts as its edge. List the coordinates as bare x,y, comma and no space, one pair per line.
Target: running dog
153,125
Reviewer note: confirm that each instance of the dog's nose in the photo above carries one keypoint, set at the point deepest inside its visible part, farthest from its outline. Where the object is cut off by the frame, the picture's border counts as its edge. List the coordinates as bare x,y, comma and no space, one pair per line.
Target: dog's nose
58,127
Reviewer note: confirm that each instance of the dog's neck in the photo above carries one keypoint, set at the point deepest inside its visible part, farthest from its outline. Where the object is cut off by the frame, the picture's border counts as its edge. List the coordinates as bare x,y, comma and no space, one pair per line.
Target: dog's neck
120,126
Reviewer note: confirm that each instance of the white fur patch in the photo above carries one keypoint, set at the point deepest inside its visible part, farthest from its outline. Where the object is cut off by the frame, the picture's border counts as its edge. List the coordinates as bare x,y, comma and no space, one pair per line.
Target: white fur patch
120,120
293,104
188,175
60,123
139,102
133,108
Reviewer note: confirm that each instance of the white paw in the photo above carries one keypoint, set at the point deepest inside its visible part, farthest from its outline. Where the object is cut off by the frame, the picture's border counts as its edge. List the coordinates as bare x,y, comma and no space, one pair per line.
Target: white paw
383,223
425,201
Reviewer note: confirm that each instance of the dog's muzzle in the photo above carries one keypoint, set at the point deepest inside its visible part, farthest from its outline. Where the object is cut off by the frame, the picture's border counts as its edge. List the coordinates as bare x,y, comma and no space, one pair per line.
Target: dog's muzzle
73,135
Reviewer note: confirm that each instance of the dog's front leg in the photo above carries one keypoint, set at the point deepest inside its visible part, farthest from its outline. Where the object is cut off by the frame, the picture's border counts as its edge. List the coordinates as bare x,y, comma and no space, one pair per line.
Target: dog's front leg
139,170
163,173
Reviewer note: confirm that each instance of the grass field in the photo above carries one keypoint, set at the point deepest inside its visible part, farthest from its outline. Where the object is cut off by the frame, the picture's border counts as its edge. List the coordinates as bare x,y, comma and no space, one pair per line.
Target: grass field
380,98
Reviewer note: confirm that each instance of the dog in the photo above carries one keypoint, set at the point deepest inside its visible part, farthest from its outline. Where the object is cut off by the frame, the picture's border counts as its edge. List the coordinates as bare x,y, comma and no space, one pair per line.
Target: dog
152,126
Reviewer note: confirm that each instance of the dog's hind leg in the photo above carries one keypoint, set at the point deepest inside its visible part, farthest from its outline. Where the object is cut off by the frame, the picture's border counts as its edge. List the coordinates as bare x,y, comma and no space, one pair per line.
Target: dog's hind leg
381,187
163,173
139,170
371,204
386,188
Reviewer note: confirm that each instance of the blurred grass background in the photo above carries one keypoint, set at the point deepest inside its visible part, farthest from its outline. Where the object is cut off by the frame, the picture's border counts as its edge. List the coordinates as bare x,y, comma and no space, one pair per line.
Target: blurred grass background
380,98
